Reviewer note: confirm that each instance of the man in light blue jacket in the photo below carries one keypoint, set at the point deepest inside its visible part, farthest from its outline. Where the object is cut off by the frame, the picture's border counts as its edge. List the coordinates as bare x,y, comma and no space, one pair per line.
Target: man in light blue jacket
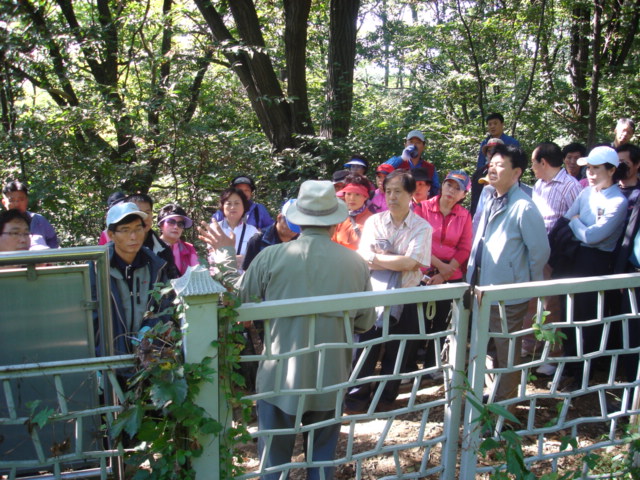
510,246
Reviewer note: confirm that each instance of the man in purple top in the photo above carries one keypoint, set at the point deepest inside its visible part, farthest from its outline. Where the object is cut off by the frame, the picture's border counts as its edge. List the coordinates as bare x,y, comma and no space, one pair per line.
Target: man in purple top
555,190
15,195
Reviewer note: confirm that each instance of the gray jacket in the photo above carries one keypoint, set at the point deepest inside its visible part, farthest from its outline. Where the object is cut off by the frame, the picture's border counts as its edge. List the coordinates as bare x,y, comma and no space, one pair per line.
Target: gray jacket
514,247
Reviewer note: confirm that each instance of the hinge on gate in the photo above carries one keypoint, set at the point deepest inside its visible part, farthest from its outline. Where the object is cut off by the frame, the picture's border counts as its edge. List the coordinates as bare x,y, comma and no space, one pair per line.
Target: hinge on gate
90,305
31,272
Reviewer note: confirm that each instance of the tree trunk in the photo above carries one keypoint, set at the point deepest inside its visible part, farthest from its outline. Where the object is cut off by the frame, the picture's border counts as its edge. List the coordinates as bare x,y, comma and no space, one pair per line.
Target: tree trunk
595,72
341,62
296,13
578,65
254,69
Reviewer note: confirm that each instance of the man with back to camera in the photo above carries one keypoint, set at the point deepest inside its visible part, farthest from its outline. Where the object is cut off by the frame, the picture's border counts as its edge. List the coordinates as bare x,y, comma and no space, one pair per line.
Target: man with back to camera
15,195
511,233
412,158
312,265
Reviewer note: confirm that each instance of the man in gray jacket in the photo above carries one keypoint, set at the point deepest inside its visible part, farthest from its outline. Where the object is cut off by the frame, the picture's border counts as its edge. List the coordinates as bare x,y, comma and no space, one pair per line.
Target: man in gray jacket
510,246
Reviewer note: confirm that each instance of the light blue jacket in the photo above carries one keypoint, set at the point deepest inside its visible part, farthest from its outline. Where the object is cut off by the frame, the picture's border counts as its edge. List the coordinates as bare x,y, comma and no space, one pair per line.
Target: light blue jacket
514,245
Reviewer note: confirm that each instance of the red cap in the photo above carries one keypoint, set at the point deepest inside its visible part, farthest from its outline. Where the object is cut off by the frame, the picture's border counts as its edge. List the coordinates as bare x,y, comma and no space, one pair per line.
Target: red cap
385,168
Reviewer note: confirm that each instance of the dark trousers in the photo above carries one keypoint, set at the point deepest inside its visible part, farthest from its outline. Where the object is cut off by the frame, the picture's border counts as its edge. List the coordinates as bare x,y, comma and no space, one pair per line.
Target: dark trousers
588,262
325,439
631,360
408,324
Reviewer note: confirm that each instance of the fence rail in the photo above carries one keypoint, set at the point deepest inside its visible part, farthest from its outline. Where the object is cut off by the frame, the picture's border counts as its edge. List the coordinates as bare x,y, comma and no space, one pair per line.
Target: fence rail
444,436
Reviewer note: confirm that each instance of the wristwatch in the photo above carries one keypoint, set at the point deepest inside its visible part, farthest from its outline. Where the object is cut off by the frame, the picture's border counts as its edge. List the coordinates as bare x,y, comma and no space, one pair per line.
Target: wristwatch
371,258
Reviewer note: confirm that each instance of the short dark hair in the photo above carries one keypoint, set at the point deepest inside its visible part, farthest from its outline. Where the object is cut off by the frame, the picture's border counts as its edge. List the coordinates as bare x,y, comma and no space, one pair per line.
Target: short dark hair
550,152
574,147
15,186
227,192
126,221
139,198
7,216
406,179
626,121
421,175
514,154
494,116
634,152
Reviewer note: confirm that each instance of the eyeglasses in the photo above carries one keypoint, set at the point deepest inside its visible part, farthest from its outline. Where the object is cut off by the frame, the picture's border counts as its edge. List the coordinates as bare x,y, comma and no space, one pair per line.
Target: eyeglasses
173,222
17,234
129,231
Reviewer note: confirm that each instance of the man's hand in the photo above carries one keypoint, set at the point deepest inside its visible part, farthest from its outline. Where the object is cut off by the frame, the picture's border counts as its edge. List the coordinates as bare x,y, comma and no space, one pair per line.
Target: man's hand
214,237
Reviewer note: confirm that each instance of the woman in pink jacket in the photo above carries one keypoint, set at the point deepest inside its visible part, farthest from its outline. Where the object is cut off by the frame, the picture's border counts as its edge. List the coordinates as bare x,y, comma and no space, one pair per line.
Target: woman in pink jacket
450,246
173,221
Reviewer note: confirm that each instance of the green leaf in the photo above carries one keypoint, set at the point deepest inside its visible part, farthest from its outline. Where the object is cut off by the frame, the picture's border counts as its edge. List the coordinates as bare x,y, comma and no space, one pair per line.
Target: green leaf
129,421
163,393
210,427
503,412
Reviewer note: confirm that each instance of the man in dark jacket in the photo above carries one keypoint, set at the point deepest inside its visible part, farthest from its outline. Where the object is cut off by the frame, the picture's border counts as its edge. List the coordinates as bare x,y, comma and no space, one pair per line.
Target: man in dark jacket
134,271
279,232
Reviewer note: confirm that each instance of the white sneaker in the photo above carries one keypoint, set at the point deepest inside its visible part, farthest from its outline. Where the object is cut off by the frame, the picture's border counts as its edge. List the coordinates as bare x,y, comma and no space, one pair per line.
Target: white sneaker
547,369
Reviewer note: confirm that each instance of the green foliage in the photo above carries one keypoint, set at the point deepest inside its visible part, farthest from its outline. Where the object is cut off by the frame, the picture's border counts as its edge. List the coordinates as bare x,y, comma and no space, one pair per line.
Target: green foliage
160,414
38,418
438,66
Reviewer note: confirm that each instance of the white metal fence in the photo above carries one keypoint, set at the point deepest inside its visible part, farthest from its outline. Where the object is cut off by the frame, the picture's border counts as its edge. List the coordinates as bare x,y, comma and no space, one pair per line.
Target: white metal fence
431,430
444,444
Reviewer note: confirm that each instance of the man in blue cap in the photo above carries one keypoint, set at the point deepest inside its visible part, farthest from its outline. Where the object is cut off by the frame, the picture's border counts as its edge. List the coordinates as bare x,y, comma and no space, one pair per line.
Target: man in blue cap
412,158
134,271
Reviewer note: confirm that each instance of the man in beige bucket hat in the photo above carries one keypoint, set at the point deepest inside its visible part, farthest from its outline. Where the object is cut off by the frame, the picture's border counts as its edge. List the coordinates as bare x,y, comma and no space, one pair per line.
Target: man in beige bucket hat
310,266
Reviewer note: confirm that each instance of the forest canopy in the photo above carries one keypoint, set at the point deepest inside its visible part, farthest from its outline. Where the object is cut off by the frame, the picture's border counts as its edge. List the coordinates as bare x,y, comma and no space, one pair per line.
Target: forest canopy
176,98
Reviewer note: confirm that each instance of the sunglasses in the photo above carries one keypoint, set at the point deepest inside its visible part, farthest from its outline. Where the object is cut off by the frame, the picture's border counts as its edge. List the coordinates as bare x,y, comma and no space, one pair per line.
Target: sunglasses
173,222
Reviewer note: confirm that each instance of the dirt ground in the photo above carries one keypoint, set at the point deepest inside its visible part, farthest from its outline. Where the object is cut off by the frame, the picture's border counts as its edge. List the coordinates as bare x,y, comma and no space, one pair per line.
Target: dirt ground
410,425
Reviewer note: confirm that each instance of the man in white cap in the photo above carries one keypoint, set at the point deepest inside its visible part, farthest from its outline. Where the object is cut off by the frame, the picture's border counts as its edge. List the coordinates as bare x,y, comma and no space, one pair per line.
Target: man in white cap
134,271
412,158
312,265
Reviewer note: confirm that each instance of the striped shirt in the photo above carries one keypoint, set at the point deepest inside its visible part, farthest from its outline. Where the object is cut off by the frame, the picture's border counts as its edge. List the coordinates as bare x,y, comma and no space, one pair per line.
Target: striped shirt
411,239
553,198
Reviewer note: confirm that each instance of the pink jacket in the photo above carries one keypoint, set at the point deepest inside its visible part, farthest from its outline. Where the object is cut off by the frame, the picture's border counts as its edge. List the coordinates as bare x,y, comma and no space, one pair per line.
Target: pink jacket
452,235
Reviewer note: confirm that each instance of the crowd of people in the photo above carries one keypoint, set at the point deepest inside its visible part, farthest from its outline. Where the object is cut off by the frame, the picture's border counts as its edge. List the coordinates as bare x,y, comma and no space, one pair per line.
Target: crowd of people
407,229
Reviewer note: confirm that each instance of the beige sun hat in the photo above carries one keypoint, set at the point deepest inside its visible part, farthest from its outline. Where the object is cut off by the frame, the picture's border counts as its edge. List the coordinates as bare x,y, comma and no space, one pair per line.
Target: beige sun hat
317,205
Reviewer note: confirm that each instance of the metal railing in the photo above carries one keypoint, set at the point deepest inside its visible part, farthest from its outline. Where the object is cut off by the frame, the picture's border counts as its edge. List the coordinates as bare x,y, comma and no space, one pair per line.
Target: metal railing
445,440
65,430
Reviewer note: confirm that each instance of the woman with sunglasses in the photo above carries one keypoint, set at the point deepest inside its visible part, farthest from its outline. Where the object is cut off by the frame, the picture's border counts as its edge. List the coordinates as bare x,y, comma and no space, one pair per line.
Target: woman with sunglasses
173,221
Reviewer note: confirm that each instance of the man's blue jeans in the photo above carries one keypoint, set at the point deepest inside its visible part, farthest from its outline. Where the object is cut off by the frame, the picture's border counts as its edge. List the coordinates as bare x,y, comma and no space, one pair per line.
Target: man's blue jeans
325,439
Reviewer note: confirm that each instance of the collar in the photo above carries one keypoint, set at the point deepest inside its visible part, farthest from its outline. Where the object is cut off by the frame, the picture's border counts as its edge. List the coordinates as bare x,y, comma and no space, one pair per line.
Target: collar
388,220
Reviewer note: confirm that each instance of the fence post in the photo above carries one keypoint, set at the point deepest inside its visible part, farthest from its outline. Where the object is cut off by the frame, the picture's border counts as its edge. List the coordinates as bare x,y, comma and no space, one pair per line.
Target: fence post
453,415
477,366
201,293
